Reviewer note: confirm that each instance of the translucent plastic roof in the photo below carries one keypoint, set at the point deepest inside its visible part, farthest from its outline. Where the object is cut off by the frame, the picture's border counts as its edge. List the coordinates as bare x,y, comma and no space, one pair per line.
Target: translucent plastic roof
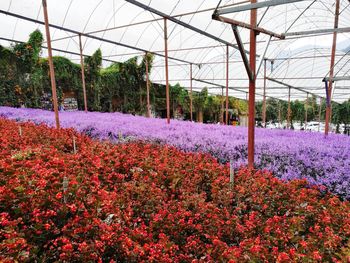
300,62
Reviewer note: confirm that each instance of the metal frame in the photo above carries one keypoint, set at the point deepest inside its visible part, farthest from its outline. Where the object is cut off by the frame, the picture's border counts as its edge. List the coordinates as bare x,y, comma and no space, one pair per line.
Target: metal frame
249,66
91,36
241,50
331,71
318,31
232,88
293,87
82,73
254,5
252,83
51,67
179,22
166,71
147,88
336,78
247,26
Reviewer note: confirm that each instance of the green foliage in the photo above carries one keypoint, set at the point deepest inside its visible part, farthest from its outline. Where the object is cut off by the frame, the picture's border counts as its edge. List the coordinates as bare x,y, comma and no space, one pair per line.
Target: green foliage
341,113
92,70
24,78
7,77
28,53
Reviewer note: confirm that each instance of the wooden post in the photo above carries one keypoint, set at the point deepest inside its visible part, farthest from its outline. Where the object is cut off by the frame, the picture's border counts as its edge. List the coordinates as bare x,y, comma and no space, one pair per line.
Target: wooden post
191,98
222,106
306,108
264,97
279,114
331,72
289,111
319,114
166,71
232,178
82,72
147,87
227,58
52,70
252,60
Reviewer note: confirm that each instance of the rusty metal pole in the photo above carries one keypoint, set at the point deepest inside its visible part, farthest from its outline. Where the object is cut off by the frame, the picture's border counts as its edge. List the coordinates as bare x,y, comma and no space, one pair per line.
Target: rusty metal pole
222,106
264,97
331,72
166,71
289,111
191,98
147,87
319,114
252,60
227,58
306,108
82,73
52,70
279,114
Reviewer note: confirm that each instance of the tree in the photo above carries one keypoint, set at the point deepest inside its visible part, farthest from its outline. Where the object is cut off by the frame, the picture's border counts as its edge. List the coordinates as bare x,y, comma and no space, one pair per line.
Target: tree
199,99
212,109
28,71
92,75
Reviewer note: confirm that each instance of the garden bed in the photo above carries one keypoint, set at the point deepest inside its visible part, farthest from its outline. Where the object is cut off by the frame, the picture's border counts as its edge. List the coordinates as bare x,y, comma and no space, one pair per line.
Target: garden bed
139,202
288,154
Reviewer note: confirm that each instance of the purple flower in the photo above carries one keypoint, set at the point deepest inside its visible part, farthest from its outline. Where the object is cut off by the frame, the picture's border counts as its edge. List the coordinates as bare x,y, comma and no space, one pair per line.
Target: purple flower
288,154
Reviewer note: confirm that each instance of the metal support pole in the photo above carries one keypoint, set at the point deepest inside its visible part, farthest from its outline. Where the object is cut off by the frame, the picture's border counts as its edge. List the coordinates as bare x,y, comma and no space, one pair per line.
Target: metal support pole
306,108
227,58
166,71
252,60
241,50
289,111
52,70
82,73
222,106
191,98
264,97
147,87
247,26
279,114
319,114
254,6
331,72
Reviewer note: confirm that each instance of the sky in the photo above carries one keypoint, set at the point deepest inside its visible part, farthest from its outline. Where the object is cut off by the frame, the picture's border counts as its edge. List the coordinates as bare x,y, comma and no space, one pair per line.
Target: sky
91,15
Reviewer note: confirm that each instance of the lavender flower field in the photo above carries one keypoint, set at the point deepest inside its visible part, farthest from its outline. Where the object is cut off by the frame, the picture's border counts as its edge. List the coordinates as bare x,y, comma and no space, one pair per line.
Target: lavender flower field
288,154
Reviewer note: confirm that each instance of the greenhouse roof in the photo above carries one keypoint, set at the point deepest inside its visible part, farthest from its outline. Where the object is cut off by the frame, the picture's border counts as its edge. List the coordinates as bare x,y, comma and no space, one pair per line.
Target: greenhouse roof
124,28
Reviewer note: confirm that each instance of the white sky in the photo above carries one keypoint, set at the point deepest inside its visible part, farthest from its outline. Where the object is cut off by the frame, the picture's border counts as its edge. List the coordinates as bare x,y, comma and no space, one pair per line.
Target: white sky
90,15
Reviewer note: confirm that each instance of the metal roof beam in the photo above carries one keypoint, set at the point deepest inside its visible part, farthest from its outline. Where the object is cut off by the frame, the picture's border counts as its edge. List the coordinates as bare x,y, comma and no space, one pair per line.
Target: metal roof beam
231,88
260,4
292,87
154,20
243,55
90,36
218,85
247,26
337,78
57,50
318,31
181,23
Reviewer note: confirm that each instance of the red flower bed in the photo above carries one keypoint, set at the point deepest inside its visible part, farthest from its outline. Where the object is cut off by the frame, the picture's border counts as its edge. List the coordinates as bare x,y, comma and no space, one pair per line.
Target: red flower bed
142,203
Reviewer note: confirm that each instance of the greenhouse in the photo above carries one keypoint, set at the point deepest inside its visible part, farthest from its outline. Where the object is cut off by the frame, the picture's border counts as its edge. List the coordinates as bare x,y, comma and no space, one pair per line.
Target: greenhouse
175,131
